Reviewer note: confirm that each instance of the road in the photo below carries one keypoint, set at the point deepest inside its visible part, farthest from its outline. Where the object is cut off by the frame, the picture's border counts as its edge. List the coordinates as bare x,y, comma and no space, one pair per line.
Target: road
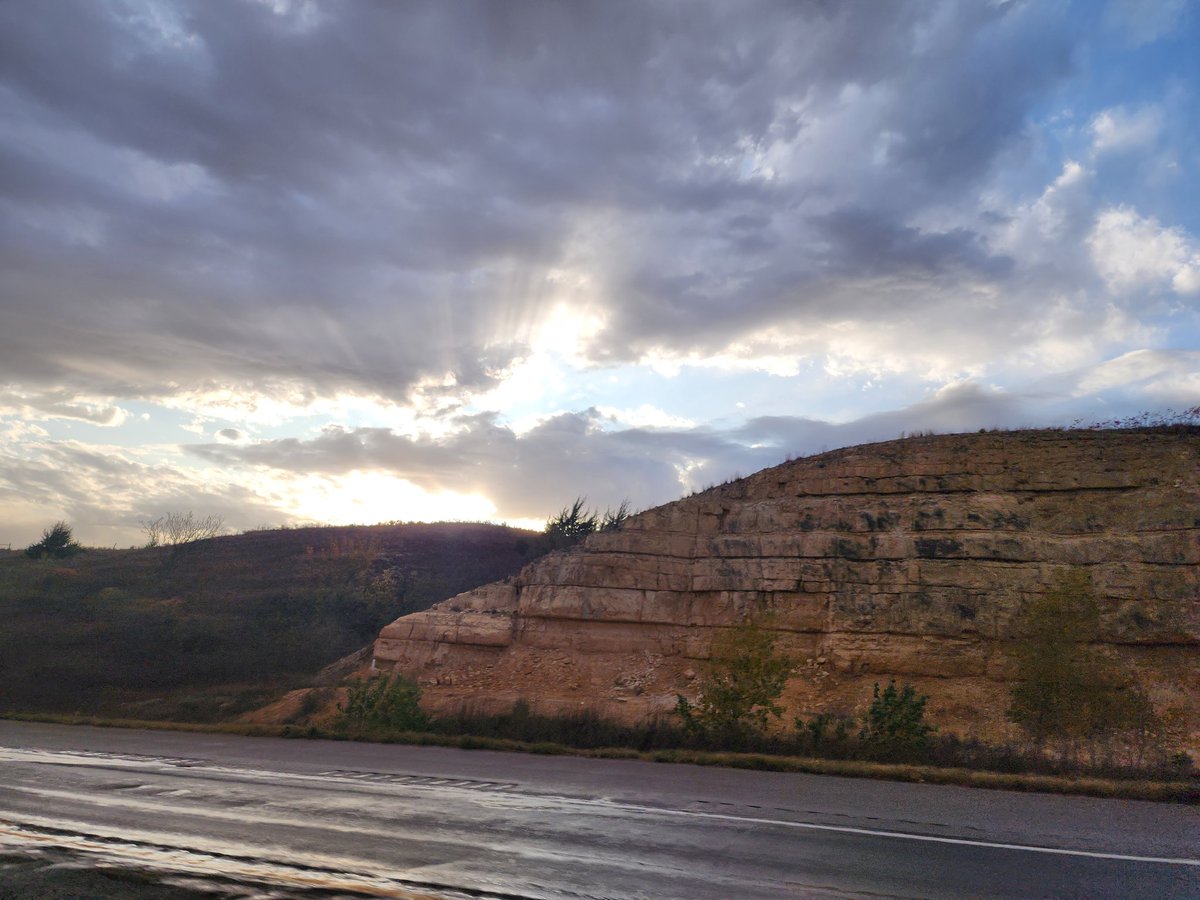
379,820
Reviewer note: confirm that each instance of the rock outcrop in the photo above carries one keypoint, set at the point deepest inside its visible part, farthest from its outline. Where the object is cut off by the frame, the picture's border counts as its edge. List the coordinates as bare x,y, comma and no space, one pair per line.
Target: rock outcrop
908,559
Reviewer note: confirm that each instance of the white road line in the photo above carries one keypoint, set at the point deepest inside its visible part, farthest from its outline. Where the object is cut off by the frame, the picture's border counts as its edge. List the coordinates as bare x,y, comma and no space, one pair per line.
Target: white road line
64,756
929,838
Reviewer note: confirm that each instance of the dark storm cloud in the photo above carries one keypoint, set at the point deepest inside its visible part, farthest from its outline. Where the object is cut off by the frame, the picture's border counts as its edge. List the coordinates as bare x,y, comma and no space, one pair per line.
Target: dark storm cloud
862,243
581,454
357,196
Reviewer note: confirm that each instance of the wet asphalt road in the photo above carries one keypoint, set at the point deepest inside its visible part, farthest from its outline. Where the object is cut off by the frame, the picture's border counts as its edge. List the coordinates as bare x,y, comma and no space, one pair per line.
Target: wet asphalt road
378,820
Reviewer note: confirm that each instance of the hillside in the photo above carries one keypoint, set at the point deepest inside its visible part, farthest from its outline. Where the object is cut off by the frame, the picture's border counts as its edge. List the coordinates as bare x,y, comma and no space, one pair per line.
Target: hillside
908,559
204,630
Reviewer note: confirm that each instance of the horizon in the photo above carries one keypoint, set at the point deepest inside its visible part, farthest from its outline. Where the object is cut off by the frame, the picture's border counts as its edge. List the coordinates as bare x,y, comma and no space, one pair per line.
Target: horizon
1146,421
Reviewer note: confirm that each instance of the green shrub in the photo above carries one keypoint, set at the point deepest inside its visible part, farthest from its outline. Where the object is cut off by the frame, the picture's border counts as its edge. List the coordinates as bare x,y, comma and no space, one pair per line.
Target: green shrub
57,542
894,727
391,702
575,522
1070,694
740,685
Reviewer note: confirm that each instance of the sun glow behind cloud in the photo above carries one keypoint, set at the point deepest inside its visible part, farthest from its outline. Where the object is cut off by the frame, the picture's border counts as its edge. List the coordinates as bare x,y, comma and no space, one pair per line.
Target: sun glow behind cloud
537,385
366,497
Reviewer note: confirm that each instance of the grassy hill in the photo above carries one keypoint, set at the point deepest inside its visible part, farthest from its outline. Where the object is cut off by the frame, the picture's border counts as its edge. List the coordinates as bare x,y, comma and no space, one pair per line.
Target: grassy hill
203,631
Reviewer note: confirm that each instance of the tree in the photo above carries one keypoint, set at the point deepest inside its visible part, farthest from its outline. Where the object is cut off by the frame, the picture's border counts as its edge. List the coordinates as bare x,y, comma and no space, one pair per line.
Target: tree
391,701
175,528
1068,692
614,520
57,542
894,726
572,524
740,685
576,522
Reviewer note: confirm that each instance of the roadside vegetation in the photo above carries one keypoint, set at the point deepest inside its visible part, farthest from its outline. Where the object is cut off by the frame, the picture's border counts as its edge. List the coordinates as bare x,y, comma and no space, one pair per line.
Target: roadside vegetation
390,702
203,629
184,634
740,686
1084,720
1073,701
199,628
949,761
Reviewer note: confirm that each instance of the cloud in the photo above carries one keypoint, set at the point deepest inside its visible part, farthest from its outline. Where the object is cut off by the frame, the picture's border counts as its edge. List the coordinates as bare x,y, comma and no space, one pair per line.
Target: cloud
105,492
1119,130
1132,251
580,454
252,197
480,467
1158,379
47,405
645,416
1037,231
835,190
870,246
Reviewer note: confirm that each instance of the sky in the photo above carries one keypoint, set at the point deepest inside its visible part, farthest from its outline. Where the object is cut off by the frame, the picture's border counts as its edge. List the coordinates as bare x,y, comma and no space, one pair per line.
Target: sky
282,261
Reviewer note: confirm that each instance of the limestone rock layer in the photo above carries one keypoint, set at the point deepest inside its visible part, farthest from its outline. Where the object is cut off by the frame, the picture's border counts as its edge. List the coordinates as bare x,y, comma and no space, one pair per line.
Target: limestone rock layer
909,559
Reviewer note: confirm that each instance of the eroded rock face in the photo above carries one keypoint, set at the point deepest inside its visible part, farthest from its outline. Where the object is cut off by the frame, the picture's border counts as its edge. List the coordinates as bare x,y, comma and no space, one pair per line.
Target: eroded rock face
908,559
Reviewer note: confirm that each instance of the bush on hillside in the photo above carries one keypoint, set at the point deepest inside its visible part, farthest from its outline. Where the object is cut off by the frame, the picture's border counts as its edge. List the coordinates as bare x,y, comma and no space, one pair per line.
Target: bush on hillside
894,727
389,702
575,522
740,685
174,528
57,542
1069,694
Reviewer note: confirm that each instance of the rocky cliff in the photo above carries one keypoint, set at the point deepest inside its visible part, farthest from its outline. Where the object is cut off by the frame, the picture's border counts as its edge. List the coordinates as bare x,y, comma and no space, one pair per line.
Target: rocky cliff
907,559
